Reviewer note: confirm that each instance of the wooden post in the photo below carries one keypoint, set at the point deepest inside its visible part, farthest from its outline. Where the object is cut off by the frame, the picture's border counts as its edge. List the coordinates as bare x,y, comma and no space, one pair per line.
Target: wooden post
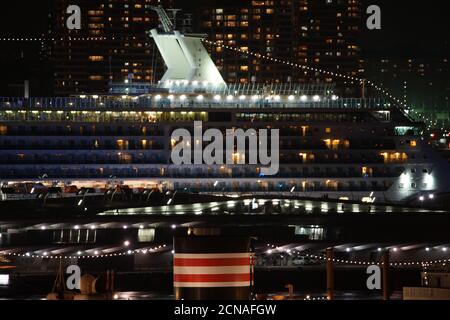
386,289
112,278
107,282
330,273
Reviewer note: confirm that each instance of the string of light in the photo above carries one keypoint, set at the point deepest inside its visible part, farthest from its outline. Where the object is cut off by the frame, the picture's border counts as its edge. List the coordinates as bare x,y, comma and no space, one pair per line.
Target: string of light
37,39
305,67
355,262
257,55
97,254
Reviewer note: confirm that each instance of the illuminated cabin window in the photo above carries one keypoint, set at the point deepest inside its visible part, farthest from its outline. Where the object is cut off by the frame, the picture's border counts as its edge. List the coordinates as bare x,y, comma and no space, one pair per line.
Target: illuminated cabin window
397,157
257,3
146,235
122,144
327,130
96,58
307,158
413,143
96,78
337,144
3,130
305,131
331,185
125,158
366,172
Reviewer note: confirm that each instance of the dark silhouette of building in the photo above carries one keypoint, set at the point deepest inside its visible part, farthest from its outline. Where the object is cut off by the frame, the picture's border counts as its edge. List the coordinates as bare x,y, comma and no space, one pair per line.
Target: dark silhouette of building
112,45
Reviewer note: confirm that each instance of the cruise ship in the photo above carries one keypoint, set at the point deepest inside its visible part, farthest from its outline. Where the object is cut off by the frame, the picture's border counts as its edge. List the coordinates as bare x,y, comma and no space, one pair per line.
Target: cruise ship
333,147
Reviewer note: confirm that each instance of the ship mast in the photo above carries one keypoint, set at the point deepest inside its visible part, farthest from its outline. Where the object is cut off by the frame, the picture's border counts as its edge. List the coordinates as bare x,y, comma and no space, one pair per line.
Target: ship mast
164,18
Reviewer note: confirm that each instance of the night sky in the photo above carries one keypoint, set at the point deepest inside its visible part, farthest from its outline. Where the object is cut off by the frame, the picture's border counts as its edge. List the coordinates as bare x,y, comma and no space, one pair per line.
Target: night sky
410,29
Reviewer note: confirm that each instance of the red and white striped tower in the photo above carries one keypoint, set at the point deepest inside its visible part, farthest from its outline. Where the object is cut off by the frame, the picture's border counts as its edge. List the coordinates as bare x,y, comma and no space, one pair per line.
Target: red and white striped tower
206,268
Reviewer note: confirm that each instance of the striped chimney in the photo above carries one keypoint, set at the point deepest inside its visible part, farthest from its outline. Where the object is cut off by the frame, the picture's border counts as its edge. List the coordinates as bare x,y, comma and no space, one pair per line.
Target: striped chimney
206,268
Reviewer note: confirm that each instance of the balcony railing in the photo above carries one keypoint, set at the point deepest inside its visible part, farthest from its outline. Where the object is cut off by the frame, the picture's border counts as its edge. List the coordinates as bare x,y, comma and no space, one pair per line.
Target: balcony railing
157,102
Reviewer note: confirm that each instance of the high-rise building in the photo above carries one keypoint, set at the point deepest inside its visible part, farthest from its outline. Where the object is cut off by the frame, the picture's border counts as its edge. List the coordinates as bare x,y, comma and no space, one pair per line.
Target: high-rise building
422,83
112,45
321,34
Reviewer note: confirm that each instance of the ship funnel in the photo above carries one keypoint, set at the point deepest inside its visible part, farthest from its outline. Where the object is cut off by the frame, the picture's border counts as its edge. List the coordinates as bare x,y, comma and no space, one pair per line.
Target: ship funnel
186,59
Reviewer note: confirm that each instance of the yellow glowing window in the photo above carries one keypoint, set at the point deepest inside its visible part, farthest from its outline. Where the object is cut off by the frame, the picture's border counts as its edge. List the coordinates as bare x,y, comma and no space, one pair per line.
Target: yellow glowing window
95,78
327,130
413,143
257,3
96,58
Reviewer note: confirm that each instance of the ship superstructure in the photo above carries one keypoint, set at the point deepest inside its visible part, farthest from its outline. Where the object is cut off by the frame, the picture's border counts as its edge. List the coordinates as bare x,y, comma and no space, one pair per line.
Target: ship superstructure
330,146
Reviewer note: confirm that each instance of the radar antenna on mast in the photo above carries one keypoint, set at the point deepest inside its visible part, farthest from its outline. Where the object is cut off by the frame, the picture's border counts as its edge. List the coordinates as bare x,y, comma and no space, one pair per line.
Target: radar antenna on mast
165,20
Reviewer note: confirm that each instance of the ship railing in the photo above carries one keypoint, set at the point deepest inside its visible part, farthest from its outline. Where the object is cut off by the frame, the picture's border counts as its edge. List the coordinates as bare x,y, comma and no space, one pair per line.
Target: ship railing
275,88
237,103
323,89
92,102
149,102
